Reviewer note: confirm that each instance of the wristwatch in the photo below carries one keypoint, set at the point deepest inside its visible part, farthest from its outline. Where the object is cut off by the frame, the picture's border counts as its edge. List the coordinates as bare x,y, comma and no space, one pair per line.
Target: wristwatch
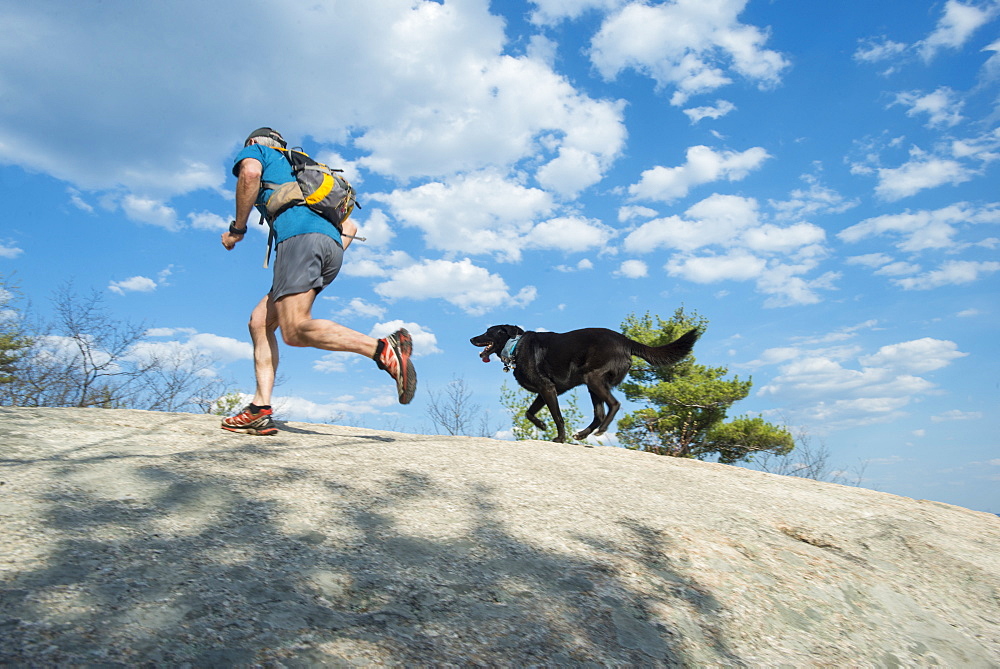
233,230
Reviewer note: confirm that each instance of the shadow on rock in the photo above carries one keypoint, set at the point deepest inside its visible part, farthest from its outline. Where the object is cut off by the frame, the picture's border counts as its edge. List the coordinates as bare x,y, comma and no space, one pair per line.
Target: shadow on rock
207,572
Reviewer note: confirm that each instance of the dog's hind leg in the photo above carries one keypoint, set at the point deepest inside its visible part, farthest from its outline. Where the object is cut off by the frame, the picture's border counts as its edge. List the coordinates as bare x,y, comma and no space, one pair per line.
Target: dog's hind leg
601,397
613,406
598,416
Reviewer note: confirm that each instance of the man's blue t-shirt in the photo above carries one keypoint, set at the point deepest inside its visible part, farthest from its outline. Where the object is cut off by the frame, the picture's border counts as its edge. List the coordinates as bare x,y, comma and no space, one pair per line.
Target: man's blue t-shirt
295,220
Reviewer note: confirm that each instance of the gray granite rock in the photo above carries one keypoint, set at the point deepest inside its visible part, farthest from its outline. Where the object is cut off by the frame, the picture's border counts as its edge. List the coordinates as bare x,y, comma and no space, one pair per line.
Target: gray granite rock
131,538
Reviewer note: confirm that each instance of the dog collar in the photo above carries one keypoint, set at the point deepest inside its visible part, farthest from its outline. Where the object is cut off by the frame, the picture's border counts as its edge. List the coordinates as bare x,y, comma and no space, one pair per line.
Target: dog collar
507,354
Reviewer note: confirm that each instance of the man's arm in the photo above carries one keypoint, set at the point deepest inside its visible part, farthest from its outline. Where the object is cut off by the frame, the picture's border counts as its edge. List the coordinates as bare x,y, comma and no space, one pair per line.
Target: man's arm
349,230
247,188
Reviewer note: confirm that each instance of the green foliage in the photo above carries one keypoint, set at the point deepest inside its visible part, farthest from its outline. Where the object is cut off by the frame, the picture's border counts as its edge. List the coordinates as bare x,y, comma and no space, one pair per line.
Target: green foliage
657,333
226,405
12,348
741,437
687,404
14,342
516,400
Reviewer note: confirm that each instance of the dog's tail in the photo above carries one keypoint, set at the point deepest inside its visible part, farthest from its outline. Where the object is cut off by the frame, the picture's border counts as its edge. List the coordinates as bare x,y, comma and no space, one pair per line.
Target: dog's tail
669,354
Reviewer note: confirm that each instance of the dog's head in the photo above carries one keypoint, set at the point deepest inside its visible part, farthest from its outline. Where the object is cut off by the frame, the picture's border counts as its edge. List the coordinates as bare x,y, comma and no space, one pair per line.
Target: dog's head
493,340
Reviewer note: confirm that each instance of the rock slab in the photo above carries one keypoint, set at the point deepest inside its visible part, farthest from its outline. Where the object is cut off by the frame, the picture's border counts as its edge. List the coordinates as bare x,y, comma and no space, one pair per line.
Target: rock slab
133,538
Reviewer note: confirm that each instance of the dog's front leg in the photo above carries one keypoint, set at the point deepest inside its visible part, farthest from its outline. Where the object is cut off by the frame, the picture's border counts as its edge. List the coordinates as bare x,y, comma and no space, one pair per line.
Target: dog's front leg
535,407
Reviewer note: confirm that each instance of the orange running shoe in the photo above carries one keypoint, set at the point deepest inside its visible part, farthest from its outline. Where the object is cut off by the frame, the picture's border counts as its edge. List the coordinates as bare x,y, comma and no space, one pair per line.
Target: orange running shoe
393,355
247,422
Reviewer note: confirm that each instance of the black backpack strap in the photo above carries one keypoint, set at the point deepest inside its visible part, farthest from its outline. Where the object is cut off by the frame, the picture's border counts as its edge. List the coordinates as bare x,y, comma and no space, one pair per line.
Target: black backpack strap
268,185
270,240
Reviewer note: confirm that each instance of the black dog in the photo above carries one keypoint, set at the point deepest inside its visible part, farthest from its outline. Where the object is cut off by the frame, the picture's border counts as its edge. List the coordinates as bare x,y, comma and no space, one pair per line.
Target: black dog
550,363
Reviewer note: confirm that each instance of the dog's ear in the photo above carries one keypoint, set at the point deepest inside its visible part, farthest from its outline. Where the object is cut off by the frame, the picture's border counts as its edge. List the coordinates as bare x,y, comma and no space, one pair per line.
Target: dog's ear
512,331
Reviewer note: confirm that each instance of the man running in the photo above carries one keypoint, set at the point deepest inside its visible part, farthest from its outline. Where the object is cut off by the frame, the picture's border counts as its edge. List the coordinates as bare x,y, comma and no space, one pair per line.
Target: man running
309,254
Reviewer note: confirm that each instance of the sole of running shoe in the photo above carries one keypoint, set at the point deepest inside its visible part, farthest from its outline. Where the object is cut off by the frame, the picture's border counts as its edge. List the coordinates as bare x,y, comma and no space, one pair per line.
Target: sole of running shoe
410,387
260,432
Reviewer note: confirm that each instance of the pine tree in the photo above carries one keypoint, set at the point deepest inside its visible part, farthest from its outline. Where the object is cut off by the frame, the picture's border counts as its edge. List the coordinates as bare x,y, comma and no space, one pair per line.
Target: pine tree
687,404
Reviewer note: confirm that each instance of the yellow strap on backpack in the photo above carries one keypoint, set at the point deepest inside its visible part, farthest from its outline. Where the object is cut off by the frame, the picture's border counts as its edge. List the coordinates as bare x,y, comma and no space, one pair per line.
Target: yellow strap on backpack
322,191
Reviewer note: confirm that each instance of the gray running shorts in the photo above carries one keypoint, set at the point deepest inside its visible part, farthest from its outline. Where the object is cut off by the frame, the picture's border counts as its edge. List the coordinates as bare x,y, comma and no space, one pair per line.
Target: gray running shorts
304,262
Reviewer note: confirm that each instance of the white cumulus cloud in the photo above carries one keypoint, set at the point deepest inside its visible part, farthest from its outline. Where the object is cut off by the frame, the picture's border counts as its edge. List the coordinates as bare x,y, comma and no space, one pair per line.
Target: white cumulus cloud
718,110
632,269
148,210
941,106
9,251
956,26
923,229
136,284
919,173
950,273
693,46
725,238
569,234
478,213
838,388
703,165
471,288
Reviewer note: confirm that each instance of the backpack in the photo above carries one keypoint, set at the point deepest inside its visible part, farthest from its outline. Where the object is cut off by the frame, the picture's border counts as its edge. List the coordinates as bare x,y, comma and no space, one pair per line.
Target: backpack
316,186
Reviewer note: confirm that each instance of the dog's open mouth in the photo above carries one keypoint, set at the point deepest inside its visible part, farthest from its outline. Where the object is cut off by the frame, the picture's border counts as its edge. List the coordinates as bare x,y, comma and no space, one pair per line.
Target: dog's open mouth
489,348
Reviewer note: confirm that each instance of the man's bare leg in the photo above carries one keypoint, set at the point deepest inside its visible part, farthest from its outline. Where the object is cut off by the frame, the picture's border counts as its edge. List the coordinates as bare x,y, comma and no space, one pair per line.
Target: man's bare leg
256,418
263,323
299,328
392,354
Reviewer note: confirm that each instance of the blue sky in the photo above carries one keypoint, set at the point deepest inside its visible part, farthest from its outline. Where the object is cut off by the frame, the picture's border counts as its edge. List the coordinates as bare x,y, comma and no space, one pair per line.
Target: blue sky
818,180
